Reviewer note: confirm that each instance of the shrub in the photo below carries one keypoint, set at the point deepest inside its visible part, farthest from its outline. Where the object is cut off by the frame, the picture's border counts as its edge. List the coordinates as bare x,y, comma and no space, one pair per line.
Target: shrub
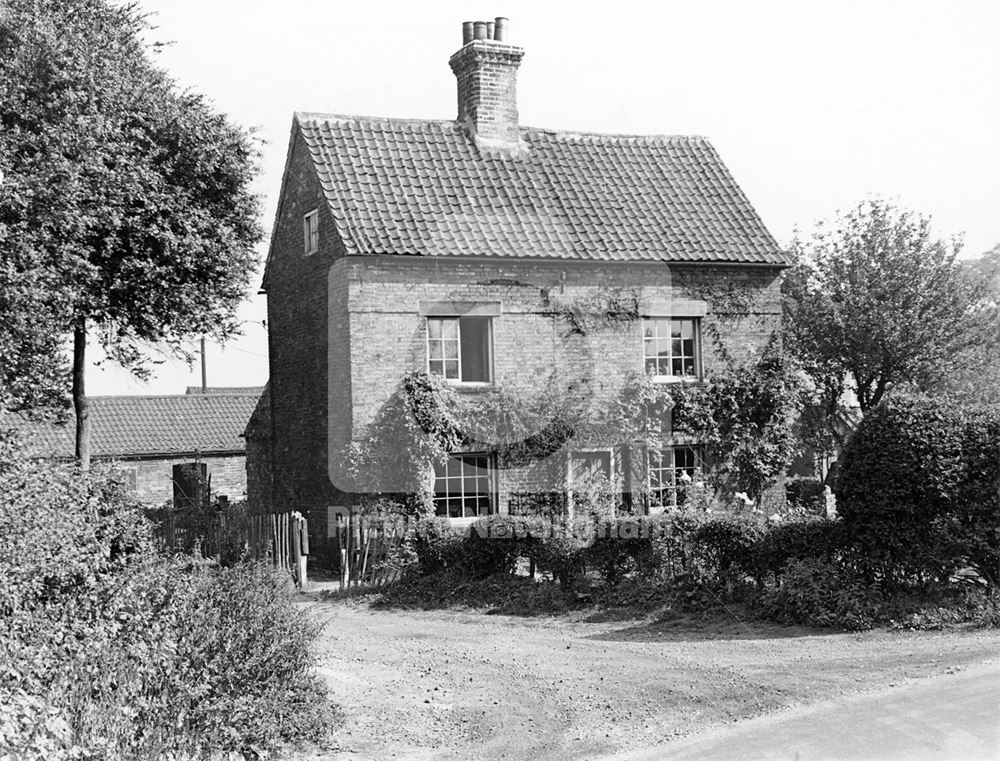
918,491
727,547
673,546
110,650
797,540
806,494
624,547
816,592
496,542
562,554
438,545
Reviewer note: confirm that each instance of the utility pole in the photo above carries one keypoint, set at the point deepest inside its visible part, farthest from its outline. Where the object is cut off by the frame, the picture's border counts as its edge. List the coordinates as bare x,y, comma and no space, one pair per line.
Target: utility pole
204,370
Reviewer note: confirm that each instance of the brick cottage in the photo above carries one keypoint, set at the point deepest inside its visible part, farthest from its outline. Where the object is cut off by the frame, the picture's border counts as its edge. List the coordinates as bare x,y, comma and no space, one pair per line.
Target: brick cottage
407,245
167,447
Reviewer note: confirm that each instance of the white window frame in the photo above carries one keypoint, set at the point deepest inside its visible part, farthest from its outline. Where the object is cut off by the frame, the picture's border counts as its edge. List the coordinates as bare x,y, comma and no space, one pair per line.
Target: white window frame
310,231
489,349
658,505
697,377
491,471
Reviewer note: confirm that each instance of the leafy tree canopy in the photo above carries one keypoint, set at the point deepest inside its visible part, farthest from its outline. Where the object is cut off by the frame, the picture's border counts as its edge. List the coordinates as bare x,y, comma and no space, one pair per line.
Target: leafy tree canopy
877,303
125,203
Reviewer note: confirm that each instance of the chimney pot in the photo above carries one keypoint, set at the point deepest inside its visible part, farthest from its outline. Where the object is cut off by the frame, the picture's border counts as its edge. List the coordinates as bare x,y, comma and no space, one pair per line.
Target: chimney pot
487,86
466,32
500,29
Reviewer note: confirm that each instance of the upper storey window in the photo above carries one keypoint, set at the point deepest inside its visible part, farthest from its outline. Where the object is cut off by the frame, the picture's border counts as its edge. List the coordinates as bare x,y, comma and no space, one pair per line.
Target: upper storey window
310,231
672,347
460,349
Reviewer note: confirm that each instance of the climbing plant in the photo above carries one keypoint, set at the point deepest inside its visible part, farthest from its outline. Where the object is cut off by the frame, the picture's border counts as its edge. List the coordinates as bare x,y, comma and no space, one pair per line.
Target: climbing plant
742,417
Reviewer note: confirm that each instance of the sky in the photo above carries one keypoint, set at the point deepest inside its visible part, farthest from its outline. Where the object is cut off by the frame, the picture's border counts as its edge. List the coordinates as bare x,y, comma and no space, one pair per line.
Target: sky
814,106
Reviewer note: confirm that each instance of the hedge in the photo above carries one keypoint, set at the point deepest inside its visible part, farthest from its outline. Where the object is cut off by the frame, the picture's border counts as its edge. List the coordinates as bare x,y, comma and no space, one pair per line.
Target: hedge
919,491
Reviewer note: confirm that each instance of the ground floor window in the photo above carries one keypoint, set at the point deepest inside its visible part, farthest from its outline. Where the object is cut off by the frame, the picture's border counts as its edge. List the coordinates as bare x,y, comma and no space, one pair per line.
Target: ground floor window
671,471
464,486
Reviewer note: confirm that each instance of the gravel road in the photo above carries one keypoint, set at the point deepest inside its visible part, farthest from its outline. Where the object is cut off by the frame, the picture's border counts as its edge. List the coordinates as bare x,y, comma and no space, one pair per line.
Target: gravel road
466,685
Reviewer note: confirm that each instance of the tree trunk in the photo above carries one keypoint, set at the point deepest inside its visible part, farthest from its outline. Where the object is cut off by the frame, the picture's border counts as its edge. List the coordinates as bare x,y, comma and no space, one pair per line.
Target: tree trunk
80,404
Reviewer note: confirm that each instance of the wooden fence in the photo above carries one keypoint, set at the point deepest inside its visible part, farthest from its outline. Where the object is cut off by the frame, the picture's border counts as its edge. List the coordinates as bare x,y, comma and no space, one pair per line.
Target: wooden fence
368,550
230,535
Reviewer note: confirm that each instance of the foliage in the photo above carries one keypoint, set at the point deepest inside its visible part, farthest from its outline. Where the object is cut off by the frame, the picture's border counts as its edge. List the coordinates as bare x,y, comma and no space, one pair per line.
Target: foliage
727,548
876,303
919,491
817,592
438,545
125,203
110,650
807,494
745,420
731,300
794,540
613,308
804,571
973,376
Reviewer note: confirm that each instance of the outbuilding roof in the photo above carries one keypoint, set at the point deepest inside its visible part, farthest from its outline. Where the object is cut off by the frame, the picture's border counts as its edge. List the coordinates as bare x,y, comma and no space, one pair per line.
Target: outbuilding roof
148,426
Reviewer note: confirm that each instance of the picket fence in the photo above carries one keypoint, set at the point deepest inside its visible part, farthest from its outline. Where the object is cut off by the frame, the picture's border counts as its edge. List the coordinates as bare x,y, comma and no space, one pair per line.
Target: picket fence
368,550
282,537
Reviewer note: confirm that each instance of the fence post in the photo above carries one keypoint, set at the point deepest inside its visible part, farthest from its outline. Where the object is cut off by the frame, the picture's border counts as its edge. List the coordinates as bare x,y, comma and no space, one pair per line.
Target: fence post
298,549
343,544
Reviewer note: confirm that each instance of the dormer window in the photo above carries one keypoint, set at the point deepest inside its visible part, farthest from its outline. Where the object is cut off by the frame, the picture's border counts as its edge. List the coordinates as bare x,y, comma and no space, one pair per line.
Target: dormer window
310,231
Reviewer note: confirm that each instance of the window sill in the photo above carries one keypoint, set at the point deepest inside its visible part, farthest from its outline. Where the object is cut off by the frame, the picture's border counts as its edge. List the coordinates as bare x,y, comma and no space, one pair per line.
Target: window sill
471,388
463,523
666,379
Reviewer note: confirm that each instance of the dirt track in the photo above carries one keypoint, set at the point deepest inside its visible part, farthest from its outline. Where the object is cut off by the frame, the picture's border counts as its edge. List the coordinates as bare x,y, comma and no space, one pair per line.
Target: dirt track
463,685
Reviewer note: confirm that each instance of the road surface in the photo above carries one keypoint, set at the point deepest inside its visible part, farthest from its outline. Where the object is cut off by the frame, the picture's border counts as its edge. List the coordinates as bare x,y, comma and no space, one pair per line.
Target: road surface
954,717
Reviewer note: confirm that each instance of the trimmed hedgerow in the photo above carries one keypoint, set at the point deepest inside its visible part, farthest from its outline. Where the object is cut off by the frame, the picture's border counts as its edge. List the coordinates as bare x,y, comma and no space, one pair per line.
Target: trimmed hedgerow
919,492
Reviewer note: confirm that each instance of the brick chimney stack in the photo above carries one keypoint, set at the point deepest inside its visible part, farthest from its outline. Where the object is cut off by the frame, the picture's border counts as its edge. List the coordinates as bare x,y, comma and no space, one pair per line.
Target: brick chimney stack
486,69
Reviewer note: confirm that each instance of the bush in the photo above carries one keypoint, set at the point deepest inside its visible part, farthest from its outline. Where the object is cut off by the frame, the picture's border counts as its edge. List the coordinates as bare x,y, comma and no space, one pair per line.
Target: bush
624,548
562,555
496,542
438,545
797,540
919,491
816,592
806,494
110,650
728,548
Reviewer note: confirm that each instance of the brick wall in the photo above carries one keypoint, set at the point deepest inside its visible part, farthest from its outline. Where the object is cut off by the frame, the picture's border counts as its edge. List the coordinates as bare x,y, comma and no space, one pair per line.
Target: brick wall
486,72
154,478
259,467
387,332
299,325
531,337
345,330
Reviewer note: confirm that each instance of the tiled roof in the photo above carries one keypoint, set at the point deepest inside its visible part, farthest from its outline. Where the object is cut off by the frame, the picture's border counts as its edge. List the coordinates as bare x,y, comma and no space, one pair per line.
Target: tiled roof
423,187
132,426
258,390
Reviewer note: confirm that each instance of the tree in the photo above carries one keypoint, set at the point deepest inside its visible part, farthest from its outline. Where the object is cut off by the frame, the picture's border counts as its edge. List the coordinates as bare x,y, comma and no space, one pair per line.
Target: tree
876,303
125,206
974,375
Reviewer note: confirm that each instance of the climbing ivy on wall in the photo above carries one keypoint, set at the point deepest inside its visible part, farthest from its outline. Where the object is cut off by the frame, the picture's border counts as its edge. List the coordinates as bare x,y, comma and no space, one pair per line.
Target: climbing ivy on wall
742,417
730,300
